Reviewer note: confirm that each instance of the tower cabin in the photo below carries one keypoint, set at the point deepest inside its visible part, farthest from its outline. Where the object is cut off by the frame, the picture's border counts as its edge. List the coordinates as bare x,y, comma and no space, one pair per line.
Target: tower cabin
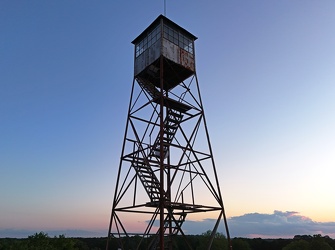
163,38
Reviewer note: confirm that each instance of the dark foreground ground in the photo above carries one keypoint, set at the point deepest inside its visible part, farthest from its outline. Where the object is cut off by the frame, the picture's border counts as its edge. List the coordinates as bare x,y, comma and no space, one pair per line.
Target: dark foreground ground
41,241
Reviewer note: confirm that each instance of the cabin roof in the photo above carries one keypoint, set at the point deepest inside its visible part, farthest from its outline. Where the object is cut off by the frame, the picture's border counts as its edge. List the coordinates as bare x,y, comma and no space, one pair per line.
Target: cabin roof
155,23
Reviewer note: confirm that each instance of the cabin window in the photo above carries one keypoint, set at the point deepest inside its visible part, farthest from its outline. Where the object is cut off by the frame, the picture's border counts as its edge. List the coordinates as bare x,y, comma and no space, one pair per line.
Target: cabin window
178,38
147,41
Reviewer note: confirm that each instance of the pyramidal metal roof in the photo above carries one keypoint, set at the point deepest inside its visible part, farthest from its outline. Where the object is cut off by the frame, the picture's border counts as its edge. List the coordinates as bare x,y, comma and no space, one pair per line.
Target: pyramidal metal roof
156,22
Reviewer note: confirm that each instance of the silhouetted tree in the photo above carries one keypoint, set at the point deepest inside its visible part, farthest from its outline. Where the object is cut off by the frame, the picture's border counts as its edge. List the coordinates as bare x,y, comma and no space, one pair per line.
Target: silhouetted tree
319,243
219,241
297,245
240,244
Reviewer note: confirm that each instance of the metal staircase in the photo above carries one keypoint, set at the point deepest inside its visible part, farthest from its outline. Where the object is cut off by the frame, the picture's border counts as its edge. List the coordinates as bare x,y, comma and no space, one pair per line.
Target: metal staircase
175,227
171,124
148,179
143,166
148,87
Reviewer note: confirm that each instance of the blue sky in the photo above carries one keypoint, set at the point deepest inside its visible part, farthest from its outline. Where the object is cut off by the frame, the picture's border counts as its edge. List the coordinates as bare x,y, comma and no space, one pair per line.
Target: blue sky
267,79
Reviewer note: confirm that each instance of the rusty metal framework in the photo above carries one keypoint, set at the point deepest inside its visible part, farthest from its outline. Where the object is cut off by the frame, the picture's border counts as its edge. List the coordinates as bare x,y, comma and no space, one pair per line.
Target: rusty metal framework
167,173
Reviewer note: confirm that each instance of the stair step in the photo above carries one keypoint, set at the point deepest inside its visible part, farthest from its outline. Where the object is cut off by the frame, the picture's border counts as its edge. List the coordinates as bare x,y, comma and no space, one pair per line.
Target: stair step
175,114
169,132
146,173
145,170
152,182
171,120
169,126
154,192
166,139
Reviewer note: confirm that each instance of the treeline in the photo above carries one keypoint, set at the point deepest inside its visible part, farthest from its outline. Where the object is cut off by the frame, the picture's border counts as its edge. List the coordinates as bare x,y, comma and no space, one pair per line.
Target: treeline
299,242
41,241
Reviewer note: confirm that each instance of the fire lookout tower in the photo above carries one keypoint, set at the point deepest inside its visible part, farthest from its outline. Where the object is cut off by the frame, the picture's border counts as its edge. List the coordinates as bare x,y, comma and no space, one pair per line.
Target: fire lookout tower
167,175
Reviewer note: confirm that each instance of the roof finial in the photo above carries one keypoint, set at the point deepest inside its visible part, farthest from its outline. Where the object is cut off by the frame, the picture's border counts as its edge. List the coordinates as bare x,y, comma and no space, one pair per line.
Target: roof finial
164,7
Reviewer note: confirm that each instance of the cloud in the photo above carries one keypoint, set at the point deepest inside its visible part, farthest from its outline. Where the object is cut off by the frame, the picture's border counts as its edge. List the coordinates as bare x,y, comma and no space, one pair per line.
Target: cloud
276,225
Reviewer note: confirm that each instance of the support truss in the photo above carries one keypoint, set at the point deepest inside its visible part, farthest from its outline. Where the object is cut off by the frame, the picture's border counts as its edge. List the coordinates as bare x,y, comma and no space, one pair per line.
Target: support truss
167,173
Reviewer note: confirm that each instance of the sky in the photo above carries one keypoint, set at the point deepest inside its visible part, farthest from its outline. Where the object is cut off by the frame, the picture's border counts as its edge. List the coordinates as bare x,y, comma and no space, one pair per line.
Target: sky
267,80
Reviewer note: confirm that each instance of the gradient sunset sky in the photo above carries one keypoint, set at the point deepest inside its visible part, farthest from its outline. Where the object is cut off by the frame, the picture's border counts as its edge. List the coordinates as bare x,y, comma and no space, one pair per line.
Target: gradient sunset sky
266,70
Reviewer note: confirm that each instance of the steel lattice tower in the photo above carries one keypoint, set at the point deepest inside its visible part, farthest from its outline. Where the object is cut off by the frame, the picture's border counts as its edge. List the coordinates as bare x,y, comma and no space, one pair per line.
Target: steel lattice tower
167,173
